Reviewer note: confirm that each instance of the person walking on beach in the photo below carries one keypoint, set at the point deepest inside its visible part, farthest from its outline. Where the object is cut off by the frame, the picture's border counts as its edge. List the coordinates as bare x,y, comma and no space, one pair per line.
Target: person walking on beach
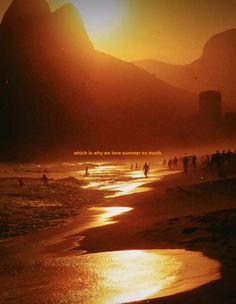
175,162
146,169
218,160
86,171
223,157
44,179
185,163
194,161
220,163
20,182
170,164
208,161
229,156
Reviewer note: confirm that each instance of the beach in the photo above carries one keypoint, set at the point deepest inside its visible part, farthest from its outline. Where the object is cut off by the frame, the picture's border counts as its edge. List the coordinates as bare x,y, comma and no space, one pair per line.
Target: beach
203,221
194,213
117,152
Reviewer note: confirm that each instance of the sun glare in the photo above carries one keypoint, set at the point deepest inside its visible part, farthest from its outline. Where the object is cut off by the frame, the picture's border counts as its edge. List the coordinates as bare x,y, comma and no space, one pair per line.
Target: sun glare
100,17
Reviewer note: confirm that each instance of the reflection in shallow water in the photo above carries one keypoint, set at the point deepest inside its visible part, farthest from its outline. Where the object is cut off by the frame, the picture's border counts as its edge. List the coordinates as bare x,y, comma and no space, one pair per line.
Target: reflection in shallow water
119,180
121,188
104,215
111,277
126,188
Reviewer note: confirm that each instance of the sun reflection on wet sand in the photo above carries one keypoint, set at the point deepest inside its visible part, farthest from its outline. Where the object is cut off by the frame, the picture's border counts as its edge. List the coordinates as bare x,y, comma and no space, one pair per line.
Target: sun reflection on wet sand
121,188
120,181
103,215
125,189
112,277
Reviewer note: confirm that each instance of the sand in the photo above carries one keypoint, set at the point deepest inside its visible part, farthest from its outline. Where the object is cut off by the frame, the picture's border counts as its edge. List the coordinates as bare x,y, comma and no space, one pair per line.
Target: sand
194,211
193,216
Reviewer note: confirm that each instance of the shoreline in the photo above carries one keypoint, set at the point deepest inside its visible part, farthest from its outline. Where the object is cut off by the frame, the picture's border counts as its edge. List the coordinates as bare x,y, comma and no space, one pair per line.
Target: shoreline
151,225
36,206
161,230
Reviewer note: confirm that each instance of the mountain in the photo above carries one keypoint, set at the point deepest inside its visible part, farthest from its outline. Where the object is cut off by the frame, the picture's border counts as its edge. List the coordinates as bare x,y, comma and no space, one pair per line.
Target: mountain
214,70
57,93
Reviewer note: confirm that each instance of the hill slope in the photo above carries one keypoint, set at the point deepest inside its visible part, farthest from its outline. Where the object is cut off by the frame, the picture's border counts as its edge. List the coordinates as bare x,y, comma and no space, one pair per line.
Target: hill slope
215,69
58,93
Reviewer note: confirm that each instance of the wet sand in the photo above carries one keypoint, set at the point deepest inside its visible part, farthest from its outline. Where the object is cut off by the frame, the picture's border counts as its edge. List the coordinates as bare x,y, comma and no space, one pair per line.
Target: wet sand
182,212
36,206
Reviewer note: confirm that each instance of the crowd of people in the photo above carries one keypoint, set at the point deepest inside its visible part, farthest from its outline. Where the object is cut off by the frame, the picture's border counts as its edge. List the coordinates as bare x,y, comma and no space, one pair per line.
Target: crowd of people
221,159
218,160
186,162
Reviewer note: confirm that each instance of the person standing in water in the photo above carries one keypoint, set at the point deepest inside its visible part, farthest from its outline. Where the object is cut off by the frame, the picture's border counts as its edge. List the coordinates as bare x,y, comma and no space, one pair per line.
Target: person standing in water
146,169
194,161
20,182
44,179
185,163
175,162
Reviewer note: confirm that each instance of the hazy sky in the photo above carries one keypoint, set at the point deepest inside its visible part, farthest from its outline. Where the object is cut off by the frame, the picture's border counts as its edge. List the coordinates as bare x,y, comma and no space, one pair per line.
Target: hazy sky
168,30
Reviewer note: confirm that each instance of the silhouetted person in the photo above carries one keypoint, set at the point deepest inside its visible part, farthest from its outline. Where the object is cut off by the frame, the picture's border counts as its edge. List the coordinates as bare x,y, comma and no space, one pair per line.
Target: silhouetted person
223,157
213,160
86,171
44,179
20,182
131,167
185,163
136,166
194,161
208,160
170,164
219,164
164,162
175,162
229,156
146,169
218,159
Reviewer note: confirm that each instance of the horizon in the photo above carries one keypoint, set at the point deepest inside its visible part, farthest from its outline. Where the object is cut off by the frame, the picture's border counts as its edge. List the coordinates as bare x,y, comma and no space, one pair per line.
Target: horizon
114,23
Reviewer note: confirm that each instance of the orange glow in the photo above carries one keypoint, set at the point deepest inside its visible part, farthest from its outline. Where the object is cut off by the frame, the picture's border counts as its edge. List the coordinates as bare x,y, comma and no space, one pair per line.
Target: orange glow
117,277
162,30
106,214
134,182
127,188
114,211
101,18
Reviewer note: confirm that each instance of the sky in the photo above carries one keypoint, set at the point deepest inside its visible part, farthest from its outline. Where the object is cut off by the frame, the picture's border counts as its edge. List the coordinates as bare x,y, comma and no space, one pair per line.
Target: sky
172,31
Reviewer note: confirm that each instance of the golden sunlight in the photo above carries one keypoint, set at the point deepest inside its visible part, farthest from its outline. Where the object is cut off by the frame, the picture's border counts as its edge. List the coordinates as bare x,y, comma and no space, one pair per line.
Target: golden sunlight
100,17
106,214
126,276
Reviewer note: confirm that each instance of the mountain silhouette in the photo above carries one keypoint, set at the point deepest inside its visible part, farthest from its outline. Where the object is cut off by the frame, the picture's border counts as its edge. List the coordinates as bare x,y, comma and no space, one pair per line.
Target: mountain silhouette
57,93
214,70
25,12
